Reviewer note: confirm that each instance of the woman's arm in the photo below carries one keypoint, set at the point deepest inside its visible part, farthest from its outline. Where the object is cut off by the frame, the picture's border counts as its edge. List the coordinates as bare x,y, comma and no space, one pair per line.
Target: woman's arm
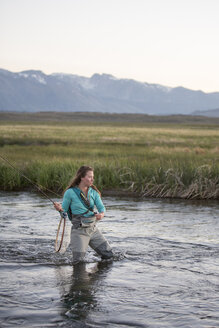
101,208
65,203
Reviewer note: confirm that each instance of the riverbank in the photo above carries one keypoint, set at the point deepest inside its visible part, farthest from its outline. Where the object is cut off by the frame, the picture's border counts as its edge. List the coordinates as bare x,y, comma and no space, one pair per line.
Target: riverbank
139,181
143,159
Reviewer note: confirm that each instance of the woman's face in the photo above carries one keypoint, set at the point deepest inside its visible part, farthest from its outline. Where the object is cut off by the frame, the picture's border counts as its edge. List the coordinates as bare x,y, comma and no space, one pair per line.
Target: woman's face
88,179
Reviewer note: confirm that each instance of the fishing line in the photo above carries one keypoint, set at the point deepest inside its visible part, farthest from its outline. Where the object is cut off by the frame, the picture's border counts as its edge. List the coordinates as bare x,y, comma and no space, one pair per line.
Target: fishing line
61,227
34,184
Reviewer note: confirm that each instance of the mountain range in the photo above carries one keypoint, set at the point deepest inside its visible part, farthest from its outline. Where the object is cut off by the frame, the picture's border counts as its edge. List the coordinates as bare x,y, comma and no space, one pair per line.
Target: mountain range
34,91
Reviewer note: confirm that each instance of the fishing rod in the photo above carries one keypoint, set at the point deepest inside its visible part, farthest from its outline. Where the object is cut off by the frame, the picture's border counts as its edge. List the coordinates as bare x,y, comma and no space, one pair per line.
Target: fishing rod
61,227
34,184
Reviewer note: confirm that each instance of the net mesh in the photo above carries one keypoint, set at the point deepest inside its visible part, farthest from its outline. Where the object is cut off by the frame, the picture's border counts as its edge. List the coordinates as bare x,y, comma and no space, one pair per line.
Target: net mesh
63,234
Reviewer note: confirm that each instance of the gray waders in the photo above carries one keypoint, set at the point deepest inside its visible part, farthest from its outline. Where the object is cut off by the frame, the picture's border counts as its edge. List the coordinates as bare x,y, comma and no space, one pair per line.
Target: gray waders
84,233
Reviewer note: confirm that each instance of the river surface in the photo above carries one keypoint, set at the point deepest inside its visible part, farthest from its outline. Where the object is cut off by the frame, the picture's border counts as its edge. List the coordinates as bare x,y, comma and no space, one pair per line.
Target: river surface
165,272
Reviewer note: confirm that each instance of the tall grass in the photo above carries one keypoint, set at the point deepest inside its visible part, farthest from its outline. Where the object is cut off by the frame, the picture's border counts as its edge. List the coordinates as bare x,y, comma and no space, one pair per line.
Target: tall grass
151,161
178,182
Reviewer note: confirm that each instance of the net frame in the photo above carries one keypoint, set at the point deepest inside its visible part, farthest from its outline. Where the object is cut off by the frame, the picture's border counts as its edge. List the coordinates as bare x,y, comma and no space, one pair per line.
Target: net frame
58,245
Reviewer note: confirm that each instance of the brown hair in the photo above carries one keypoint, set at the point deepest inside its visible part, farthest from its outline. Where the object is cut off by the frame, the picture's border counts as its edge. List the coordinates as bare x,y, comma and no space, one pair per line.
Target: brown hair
82,171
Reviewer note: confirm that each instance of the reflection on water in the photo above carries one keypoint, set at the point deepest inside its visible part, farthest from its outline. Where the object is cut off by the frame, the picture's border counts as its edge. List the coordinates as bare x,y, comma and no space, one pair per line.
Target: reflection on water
77,289
168,276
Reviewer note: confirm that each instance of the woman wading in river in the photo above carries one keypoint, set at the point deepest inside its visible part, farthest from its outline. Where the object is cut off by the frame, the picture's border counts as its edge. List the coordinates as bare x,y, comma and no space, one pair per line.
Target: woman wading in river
79,200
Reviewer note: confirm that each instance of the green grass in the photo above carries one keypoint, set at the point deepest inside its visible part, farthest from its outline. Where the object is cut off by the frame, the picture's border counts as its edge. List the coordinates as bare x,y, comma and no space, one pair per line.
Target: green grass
156,160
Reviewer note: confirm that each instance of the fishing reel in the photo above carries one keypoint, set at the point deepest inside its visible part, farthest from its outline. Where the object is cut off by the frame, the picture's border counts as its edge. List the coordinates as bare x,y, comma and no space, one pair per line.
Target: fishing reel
63,215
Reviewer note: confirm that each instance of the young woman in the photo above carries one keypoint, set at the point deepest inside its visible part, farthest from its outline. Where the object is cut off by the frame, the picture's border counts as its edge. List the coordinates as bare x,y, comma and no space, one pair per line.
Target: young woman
79,200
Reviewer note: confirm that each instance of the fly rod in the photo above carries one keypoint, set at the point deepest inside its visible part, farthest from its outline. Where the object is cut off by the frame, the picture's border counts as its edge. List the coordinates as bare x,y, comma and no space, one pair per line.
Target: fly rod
62,223
24,176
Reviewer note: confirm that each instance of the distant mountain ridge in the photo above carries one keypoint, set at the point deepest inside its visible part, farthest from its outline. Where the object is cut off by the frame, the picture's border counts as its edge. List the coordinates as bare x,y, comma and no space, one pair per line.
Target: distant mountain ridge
34,91
209,113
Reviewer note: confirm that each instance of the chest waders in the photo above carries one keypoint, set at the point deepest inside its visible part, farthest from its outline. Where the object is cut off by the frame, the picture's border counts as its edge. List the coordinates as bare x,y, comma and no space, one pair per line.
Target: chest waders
84,233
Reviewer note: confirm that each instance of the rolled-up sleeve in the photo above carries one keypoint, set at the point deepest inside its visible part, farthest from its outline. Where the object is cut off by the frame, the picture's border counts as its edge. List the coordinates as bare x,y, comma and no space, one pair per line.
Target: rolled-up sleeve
66,200
99,203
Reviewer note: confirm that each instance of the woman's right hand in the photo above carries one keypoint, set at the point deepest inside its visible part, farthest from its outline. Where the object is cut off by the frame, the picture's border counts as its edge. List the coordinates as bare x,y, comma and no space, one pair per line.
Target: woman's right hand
58,206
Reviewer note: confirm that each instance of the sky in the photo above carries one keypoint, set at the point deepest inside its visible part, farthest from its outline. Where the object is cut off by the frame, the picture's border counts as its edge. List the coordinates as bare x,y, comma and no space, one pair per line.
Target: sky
168,42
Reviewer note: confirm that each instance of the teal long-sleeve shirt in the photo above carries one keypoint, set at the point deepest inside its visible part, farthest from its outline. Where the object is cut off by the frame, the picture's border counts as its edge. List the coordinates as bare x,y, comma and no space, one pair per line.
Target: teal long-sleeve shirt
71,199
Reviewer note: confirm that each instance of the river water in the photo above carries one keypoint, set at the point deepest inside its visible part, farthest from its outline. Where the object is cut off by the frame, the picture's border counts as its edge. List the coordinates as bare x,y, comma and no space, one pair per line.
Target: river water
165,272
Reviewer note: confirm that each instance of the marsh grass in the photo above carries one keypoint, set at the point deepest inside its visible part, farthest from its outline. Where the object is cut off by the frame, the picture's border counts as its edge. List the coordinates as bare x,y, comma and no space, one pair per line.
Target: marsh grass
152,161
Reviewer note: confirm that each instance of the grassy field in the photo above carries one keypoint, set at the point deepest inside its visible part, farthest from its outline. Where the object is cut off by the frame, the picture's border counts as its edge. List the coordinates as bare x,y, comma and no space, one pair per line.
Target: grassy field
150,158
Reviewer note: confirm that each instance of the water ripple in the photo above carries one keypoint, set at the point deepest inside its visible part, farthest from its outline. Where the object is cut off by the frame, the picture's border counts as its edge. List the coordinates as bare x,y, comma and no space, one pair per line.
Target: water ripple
164,274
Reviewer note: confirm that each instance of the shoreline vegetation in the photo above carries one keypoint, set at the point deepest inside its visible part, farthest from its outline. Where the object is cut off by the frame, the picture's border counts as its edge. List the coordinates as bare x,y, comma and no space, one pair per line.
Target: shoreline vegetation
147,156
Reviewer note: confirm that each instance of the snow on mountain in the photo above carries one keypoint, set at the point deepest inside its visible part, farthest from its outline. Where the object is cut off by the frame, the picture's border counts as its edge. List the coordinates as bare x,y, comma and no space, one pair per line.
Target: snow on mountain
37,76
33,90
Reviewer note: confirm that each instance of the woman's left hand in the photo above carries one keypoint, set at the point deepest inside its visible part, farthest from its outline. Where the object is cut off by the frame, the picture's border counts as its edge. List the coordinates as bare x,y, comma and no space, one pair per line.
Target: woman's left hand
99,216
